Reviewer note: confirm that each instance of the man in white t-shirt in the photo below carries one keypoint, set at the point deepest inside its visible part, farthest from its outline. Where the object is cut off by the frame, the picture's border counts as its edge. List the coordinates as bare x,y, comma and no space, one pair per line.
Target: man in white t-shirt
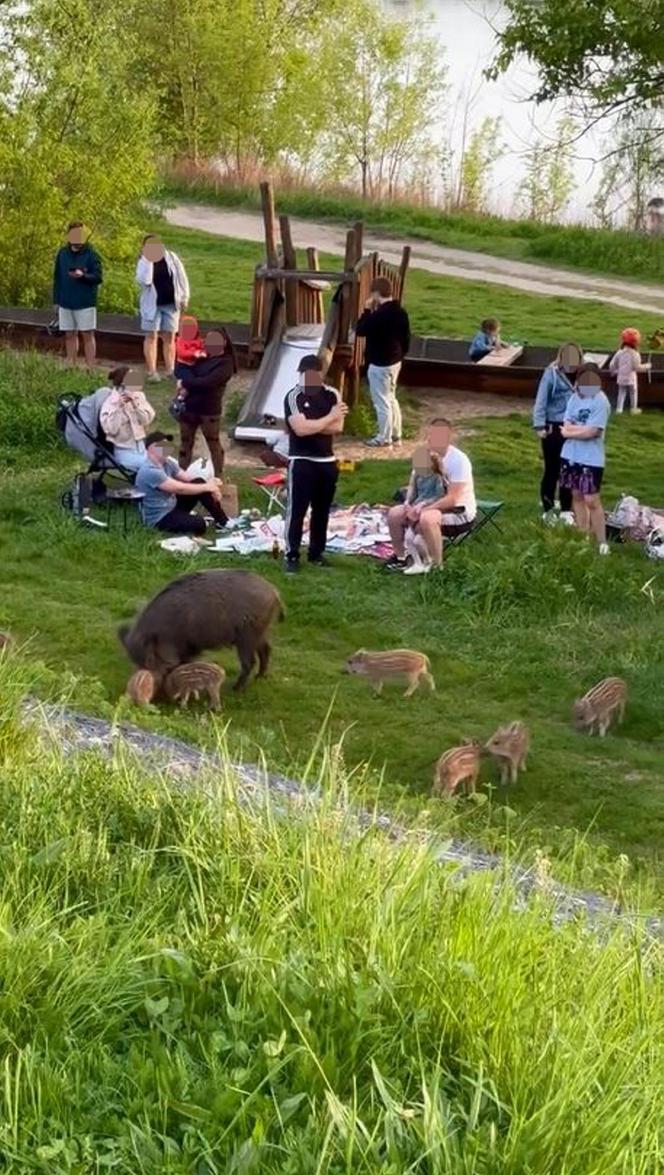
450,515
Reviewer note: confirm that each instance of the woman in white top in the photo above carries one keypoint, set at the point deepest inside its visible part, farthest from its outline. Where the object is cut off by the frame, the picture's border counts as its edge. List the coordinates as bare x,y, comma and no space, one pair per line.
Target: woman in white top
124,417
164,294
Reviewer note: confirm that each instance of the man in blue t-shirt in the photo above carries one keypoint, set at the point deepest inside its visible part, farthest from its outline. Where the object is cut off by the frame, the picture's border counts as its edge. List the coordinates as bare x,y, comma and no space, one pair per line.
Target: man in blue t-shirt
583,457
170,494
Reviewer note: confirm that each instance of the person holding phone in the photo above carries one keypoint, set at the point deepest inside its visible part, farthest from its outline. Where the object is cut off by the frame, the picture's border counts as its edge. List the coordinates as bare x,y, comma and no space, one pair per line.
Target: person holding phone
385,325
77,277
124,416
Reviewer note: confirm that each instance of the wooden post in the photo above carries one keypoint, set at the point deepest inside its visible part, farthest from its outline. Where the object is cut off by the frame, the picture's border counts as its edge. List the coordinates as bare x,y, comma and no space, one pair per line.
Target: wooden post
269,220
344,309
293,309
358,229
319,304
403,269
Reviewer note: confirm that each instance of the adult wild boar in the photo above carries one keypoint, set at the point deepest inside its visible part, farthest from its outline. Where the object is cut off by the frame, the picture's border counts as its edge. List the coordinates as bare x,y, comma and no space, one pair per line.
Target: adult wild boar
205,610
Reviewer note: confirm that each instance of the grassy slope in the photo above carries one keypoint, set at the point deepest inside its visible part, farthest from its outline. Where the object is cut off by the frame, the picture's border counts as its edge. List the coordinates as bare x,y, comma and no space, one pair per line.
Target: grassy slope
221,272
518,626
614,253
187,986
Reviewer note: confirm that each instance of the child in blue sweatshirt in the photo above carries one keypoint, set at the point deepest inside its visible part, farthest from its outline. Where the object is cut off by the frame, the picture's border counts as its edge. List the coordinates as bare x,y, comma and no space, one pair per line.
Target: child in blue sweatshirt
486,340
555,388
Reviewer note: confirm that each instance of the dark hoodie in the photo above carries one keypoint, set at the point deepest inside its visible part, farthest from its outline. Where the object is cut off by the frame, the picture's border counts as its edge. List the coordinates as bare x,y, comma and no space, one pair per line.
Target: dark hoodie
205,383
76,293
387,331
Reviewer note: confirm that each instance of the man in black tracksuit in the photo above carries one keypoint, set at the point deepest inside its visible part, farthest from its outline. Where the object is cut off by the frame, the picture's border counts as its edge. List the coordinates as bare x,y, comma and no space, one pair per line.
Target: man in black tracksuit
314,413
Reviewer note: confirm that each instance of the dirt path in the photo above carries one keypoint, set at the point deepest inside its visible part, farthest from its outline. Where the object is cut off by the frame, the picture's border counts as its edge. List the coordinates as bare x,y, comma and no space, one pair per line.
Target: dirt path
518,275
184,765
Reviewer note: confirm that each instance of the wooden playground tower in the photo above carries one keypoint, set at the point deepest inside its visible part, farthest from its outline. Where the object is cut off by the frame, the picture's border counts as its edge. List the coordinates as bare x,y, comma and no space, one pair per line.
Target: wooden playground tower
286,298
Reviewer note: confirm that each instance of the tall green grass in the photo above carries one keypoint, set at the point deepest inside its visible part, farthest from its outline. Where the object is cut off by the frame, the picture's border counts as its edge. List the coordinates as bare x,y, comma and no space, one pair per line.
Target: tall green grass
603,251
190,985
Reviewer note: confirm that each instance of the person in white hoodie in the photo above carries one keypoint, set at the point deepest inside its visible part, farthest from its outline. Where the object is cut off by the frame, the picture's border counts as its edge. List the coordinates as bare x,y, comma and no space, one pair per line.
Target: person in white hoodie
164,289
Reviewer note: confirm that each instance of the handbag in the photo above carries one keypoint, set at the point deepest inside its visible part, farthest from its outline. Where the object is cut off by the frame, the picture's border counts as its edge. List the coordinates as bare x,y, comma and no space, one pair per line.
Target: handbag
177,407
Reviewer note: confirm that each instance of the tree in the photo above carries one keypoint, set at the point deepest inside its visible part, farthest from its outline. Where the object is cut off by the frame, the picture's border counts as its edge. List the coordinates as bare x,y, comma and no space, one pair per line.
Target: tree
75,143
483,149
234,78
633,165
608,51
549,182
384,89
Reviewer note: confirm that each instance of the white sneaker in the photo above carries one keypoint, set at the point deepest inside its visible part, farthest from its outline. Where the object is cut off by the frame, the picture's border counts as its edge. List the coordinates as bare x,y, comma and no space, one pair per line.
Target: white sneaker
550,517
153,379
418,569
603,549
567,517
636,411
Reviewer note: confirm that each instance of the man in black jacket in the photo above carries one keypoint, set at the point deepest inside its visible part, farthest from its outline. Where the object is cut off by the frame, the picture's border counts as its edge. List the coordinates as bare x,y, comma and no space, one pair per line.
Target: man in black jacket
76,281
314,413
385,326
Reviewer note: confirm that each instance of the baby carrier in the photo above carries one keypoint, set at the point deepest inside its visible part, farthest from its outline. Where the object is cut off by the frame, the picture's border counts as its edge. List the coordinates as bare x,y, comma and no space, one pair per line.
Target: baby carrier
77,418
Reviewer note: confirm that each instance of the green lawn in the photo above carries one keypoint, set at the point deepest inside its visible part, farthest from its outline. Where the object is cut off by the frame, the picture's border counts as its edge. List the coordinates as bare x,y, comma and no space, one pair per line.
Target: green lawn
193,987
518,626
221,272
603,251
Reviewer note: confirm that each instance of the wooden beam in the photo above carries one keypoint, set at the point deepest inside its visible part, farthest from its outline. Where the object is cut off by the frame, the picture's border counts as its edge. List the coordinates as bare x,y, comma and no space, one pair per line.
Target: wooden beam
270,223
326,275
294,305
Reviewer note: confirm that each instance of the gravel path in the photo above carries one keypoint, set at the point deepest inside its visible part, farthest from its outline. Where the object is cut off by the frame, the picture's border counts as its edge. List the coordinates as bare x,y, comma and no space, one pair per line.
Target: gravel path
183,764
518,275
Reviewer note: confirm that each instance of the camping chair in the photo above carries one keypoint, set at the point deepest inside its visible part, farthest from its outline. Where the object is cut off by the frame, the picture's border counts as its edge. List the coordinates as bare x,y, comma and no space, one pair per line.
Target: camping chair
273,486
486,515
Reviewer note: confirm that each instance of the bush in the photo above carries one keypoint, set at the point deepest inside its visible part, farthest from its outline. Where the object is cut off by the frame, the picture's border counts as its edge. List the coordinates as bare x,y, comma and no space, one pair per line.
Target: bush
30,385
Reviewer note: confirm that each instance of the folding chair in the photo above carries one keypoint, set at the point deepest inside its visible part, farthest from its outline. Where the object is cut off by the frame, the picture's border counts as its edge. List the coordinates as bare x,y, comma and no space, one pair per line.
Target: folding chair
273,486
486,515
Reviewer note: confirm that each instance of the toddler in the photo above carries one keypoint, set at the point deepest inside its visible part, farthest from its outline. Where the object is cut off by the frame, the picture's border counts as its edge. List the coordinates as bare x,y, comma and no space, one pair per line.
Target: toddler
625,365
425,487
486,340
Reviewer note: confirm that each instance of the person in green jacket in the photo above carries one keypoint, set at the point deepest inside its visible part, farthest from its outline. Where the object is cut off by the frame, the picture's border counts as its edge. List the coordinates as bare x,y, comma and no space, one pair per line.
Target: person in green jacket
76,280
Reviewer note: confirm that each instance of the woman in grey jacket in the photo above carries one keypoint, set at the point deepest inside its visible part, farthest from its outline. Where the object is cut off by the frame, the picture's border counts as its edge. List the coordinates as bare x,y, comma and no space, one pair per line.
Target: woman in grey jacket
553,393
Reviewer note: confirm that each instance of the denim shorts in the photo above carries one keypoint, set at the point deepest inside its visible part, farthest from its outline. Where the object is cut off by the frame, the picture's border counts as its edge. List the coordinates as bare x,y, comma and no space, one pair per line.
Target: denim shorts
73,320
166,319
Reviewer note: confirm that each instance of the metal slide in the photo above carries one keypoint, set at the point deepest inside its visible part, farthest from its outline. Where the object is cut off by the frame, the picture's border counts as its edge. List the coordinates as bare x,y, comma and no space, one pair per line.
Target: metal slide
275,377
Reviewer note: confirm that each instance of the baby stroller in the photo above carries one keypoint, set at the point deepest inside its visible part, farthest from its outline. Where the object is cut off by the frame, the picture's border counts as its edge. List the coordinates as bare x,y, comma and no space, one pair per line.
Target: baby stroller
77,418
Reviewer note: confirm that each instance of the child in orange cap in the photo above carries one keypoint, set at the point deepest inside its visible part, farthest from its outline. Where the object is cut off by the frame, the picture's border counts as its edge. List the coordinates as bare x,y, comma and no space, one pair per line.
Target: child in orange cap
625,365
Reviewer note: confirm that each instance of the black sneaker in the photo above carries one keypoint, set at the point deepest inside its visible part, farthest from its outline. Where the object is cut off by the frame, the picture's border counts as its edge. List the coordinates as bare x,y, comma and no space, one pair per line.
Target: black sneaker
320,562
396,564
291,566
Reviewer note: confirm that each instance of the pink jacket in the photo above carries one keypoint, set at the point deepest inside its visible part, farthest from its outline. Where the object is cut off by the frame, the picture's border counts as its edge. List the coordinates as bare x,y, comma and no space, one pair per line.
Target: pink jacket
625,364
124,423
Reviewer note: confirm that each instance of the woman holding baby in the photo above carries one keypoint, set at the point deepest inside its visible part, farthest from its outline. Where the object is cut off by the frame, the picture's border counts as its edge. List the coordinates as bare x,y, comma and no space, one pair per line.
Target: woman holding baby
203,368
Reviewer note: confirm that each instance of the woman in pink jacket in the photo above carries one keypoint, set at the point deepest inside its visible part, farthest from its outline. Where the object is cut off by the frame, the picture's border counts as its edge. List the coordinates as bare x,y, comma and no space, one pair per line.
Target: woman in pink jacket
125,415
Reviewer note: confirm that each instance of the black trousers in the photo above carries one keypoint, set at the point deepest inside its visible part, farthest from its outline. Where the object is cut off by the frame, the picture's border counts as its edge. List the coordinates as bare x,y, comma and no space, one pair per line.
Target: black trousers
552,445
310,483
180,519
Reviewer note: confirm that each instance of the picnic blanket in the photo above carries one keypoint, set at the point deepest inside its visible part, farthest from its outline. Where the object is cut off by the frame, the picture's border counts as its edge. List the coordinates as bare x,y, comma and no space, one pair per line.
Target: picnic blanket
352,530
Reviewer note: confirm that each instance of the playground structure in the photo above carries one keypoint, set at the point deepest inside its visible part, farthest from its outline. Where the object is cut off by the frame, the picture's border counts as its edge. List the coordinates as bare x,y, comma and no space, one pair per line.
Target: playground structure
288,319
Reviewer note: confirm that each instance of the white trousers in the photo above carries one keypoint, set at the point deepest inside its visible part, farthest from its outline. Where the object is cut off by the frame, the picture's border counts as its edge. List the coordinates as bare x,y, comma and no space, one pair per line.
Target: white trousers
383,389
